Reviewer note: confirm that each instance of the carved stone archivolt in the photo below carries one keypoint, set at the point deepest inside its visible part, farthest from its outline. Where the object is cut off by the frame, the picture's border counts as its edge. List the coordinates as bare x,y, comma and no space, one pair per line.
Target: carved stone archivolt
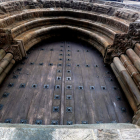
121,41
120,45
127,14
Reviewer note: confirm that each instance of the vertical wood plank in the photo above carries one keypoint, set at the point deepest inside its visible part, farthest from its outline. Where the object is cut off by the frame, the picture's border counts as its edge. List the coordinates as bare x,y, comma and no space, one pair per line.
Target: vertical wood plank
91,105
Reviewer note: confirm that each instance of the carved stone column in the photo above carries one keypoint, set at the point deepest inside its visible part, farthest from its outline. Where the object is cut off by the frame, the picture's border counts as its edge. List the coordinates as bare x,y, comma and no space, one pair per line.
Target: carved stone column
5,62
134,58
2,53
131,69
136,118
6,71
130,89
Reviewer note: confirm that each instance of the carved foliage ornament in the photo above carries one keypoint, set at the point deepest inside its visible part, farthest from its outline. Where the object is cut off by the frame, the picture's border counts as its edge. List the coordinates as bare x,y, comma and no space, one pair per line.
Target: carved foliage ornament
127,15
134,31
15,50
122,42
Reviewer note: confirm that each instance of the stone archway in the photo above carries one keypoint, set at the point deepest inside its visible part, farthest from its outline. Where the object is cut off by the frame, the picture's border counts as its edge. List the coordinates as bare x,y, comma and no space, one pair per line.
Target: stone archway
113,31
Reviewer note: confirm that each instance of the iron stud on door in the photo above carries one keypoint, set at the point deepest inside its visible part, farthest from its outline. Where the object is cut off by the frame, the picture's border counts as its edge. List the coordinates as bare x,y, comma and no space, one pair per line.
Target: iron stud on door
1,106
80,87
41,64
84,122
23,121
69,122
57,97
38,122
123,109
10,85
108,72
46,86
57,87
58,78
22,63
56,109
87,65
110,79
69,86
114,121
98,122
69,109
22,85
31,63
8,121
92,87
68,78
68,71
54,122
50,64
6,94
68,65
15,76
103,87
115,88
19,69
96,65
118,98
59,65
59,71
69,97
34,85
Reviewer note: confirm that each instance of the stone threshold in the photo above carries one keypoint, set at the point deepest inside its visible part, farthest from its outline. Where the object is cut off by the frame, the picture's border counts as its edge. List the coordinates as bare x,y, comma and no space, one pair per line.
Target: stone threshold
74,132
75,126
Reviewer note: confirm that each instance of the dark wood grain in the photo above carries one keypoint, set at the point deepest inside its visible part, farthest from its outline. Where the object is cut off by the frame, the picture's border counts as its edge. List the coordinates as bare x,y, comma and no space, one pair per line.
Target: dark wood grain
90,105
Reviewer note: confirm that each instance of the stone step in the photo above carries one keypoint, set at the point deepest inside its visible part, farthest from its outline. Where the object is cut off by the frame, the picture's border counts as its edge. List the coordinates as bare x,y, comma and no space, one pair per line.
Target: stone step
76,126
73,132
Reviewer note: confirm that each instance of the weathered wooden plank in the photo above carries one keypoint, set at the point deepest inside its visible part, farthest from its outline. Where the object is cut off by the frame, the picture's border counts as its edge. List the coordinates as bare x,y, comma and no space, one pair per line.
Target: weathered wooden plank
50,80
80,106
101,113
13,104
89,74
119,101
109,115
91,105
69,117
37,107
30,92
56,103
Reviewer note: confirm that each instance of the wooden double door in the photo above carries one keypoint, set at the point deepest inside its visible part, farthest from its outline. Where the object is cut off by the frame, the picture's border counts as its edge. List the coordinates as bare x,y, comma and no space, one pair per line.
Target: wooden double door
62,83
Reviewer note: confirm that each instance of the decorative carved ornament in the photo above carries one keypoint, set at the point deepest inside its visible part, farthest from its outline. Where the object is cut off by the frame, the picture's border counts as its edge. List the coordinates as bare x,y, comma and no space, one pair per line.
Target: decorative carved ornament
15,50
122,42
